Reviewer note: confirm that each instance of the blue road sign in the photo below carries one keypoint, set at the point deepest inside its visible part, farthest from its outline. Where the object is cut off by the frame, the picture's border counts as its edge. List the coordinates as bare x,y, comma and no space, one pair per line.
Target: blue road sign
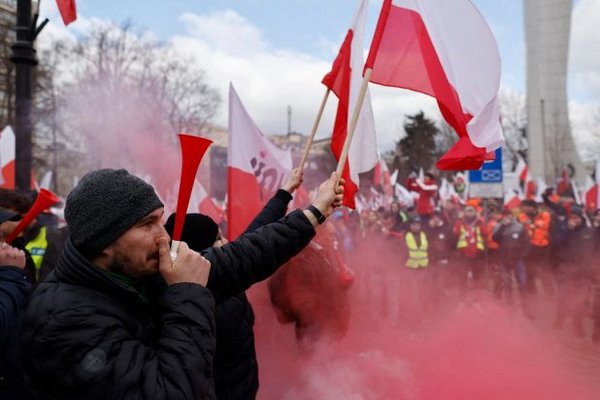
491,172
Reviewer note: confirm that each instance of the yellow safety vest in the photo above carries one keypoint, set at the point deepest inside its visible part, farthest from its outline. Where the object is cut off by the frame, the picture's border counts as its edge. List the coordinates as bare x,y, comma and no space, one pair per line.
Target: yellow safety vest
462,239
37,248
417,255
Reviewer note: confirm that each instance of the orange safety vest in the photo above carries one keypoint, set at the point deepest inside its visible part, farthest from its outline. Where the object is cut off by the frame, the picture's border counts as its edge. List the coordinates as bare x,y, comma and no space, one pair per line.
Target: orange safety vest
538,229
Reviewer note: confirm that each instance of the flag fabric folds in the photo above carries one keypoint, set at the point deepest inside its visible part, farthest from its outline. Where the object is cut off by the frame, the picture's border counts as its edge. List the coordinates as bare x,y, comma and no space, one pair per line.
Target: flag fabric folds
446,50
7,158
345,80
201,202
68,10
256,168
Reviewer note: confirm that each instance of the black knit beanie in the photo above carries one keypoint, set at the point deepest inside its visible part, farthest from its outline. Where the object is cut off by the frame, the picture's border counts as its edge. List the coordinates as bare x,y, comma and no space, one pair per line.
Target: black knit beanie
199,231
104,205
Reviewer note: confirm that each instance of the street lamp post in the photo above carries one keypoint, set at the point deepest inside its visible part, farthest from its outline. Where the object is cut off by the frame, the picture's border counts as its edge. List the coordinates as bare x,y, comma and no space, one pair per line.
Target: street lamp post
24,58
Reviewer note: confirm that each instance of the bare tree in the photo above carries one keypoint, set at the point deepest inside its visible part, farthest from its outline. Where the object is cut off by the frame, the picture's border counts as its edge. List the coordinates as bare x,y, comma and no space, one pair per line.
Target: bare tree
118,98
514,124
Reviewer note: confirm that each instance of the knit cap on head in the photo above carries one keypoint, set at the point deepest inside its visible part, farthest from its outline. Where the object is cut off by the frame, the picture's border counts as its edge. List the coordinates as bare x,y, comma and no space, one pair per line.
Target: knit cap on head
104,205
199,231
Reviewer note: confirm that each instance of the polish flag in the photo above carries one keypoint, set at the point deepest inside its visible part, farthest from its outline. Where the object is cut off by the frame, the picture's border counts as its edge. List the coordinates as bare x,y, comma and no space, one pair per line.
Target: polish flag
512,200
540,189
68,10
201,202
592,198
256,168
521,171
7,158
382,177
345,81
592,192
445,49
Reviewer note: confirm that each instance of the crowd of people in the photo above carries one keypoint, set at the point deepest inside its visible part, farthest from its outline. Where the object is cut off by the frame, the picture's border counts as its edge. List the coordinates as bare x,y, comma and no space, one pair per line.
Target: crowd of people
545,252
99,309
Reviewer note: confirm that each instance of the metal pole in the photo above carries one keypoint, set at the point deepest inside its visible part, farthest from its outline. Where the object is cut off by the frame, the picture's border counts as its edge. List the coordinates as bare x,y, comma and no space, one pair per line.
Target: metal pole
24,58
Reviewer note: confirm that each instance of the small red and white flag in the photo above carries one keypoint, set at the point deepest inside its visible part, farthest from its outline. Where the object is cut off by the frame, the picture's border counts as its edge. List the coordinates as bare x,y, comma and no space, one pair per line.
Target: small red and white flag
201,202
591,192
521,171
256,168
68,10
444,49
512,199
345,81
7,158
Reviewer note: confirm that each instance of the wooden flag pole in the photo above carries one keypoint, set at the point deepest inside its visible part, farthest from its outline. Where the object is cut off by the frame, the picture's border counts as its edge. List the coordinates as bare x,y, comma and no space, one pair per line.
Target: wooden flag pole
353,122
313,132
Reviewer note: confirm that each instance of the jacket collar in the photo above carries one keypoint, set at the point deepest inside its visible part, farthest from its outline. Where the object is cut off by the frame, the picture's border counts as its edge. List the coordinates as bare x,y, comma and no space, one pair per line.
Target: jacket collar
75,269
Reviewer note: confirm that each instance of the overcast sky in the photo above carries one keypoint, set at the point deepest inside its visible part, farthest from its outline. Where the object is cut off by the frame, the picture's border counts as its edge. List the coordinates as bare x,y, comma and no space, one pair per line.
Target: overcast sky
276,52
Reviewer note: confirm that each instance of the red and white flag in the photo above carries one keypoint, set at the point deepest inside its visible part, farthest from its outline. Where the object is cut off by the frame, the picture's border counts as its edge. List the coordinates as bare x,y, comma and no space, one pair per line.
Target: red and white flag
512,199
345,81
7,158
521,171
382,178
68,10
256,168
445,49
592,192
201,202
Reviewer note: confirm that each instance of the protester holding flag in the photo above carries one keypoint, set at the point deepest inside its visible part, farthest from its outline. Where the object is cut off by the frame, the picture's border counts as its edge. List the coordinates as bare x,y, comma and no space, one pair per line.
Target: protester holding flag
94,328
235,364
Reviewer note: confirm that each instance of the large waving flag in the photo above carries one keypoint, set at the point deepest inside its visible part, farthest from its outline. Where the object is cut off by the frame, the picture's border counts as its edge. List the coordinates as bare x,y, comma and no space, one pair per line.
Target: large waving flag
445,49
345,80
7,158
256,168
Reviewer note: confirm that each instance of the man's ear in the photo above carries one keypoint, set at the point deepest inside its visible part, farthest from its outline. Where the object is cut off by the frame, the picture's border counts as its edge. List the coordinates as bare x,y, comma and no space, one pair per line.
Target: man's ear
104,259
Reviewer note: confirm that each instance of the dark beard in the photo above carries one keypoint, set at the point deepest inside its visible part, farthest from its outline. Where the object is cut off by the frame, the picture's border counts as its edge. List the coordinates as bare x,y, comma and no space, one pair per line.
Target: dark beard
120,266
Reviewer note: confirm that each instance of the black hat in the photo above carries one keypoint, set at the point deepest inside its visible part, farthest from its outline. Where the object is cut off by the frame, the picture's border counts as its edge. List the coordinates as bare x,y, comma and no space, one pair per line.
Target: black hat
577,210
6,215
199,231
104,205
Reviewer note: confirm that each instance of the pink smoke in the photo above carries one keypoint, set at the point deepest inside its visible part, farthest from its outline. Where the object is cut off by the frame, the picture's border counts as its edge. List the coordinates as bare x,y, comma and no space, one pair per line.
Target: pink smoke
457,347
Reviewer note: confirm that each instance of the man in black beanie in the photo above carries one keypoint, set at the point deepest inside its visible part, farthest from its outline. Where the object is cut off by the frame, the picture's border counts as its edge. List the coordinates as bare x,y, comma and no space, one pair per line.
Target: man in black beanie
235,364
101,327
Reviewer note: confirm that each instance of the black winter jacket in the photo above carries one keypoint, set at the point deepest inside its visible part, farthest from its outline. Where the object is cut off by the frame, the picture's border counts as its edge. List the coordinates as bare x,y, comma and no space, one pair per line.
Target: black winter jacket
235,365
577,252
13,294
89,336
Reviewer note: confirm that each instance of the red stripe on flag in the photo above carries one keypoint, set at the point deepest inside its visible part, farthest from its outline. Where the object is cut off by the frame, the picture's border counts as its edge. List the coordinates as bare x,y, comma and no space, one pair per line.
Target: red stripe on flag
403,55
338,80
9,175
243,201
208,207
